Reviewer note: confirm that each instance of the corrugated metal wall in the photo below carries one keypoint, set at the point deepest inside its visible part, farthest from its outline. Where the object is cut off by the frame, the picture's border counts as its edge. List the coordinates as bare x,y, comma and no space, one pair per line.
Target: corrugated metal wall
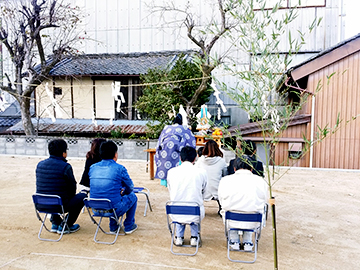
341,95
129,26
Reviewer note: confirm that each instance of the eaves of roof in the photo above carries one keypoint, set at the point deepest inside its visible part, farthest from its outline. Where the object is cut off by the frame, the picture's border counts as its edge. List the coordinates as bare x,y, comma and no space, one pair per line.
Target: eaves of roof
325,58
255,127
83,127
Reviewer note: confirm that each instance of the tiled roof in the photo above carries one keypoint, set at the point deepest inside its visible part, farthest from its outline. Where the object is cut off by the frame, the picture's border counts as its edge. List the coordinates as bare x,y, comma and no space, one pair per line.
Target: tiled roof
8,121
83,126
114,64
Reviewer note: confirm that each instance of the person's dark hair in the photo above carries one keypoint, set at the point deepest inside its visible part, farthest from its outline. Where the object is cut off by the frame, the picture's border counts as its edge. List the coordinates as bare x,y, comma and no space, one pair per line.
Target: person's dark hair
108,150
57,147
243,162
212,149
249,147
188,154
95,148
178,119
200,151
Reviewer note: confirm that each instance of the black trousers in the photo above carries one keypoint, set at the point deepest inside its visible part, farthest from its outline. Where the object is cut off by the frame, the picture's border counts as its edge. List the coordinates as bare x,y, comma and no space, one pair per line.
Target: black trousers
73,209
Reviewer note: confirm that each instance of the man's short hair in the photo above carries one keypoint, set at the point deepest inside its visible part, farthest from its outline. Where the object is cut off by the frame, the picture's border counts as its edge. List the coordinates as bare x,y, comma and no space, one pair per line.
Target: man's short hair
108,150
243,162
249,147
200,151
188,154
57,147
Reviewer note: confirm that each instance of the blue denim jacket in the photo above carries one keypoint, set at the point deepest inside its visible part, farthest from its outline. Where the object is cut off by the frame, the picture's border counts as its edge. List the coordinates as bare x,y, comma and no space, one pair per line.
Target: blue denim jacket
107,179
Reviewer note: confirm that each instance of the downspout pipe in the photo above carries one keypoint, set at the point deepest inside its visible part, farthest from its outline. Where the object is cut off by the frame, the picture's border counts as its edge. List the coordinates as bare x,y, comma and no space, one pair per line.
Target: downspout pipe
312,131
312,127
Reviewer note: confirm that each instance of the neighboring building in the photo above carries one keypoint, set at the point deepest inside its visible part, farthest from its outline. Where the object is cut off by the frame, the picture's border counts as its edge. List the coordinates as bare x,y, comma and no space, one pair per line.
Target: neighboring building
128,26
10,116
337,70
82,85
115,27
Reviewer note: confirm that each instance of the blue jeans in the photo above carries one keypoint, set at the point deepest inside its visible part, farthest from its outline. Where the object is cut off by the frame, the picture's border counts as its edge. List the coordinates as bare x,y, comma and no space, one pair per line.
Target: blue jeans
126,206
180,229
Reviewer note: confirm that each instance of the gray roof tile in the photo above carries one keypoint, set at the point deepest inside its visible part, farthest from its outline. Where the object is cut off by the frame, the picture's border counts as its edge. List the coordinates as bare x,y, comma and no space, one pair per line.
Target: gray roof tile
114,64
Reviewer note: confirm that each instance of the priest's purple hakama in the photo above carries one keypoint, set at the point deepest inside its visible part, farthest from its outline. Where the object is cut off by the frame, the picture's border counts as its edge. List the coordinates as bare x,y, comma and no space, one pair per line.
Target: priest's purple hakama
172,139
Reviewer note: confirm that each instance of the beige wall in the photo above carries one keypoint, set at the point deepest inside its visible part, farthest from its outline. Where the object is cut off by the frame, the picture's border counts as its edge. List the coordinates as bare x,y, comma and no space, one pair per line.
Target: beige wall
81,99
104,102
43,101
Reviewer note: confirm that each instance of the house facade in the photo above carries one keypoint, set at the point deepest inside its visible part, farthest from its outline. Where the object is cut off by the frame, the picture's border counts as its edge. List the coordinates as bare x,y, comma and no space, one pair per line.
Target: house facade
99,86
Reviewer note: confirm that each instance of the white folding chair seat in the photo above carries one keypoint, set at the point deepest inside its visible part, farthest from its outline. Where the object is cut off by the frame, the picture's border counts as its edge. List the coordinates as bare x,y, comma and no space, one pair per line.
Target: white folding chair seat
49,205
256,231
183,208
146,192
102,208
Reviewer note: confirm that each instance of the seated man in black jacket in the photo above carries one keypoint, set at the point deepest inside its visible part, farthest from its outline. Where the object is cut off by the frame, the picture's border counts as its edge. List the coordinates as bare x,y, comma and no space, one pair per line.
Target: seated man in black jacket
54,176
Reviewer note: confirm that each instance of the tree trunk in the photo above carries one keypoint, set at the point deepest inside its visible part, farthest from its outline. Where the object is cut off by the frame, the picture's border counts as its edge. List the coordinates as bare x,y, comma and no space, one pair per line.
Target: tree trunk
26,116
206,69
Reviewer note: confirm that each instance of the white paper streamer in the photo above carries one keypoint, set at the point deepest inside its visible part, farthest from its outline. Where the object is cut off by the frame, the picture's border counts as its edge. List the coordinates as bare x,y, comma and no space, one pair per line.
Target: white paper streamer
116,93
218,99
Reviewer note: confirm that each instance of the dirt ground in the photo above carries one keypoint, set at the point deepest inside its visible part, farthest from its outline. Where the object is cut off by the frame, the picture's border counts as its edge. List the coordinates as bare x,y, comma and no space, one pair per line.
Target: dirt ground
317,211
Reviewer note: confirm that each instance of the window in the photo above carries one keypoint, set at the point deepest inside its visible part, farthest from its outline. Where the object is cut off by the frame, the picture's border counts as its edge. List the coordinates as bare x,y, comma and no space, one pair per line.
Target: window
57,91
295,150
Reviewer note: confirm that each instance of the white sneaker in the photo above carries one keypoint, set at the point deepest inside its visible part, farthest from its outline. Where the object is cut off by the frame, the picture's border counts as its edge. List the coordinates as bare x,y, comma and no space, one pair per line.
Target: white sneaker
179,241
193,241
234,246
248,246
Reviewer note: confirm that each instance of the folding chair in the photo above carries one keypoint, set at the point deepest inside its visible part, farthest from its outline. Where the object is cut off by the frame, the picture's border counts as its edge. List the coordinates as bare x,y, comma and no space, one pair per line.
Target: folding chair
243,217
49,205
182,208
102,208
145,191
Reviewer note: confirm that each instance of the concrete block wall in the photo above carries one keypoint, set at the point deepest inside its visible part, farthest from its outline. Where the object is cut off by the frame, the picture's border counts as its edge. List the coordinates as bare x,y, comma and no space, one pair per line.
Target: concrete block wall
78,147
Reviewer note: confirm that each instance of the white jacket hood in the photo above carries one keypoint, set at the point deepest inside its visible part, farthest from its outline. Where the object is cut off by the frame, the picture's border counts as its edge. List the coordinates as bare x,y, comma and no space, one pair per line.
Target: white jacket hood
211,160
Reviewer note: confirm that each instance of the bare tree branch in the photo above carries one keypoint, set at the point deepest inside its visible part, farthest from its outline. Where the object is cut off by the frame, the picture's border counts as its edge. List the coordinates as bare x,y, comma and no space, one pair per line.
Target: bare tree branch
22,34
198,35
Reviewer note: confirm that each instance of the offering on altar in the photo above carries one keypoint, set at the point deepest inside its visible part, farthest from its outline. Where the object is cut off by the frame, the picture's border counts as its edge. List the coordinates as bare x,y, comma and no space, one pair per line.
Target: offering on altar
203,119
217,132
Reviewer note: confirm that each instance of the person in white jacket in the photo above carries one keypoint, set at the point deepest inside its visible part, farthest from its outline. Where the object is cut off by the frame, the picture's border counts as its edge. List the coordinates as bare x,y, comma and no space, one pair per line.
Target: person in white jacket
187,183
215,166
246,192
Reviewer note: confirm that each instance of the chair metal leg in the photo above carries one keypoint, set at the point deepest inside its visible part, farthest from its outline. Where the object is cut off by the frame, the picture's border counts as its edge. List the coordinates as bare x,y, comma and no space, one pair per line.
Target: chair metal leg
252,251
146,193
198,244
43,225
105,232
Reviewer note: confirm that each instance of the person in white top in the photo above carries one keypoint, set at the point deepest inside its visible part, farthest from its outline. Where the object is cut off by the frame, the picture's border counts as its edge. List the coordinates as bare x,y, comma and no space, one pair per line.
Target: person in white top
215,166
242,191
187,183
